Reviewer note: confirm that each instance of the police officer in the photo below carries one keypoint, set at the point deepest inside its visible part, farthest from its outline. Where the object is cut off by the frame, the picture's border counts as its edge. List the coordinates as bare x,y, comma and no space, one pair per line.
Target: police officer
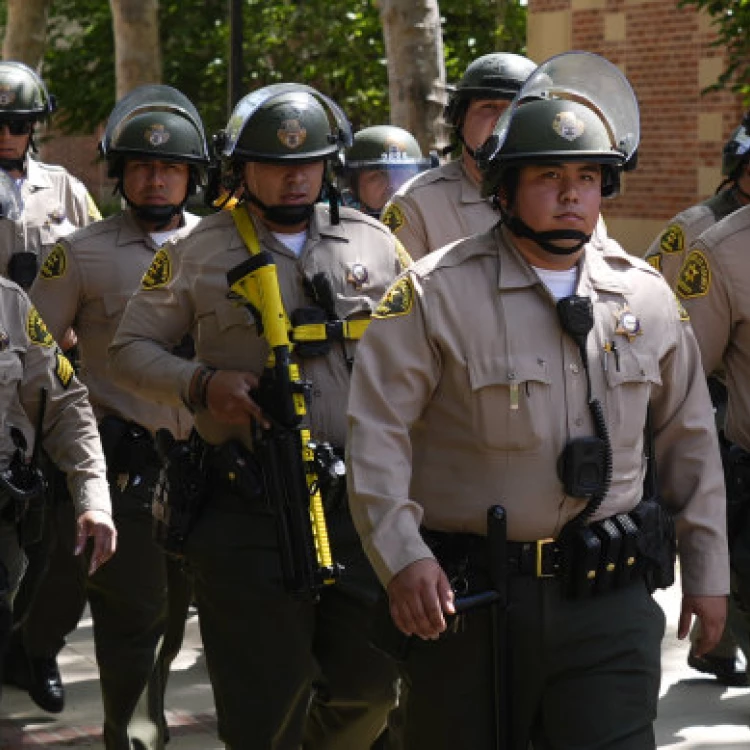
38,378
516,368
668,251
381,159
54,203
155,148
266,648
444,204
712,286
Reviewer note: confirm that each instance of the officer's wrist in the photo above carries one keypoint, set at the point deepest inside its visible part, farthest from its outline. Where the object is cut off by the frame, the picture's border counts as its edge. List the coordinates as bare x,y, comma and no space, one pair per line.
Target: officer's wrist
198,389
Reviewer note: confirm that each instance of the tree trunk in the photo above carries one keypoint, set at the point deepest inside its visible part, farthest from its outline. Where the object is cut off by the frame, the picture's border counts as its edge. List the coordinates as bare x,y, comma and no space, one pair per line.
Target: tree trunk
416,68
137,47
26,31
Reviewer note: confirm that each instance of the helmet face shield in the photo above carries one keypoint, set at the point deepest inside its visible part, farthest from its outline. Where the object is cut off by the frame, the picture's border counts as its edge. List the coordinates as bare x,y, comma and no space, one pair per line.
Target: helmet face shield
736,150
575,106
10,198
23,93
285,122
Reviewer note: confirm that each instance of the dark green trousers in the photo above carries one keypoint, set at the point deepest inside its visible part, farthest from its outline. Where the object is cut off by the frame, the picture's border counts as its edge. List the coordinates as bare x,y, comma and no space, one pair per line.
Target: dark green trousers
584,675
285,673
139,603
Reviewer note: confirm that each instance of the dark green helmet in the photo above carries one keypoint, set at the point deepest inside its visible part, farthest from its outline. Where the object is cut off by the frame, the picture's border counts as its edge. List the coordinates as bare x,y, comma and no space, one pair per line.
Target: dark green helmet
154,122
23,94
499,75
577,106
736,151
383,146
285,122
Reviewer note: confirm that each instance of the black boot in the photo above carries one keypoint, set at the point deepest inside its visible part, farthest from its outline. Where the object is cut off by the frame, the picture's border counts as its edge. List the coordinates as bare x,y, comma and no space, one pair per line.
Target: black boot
46,688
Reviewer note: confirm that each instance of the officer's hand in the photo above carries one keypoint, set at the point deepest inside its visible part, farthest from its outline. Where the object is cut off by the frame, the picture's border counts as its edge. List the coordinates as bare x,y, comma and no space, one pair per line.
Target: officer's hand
100,527
228,398
418,595
712,613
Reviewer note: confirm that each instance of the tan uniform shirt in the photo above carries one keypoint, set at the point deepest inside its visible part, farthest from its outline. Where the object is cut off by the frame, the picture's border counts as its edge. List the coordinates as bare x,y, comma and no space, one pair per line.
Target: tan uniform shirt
358,257
443,205
30,361
54,204
668,251
466,389
85,284
713,284
437,207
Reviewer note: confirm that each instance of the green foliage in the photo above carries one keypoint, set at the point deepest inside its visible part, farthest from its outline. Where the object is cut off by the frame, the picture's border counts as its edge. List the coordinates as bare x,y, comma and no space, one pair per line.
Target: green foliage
730,20
334,45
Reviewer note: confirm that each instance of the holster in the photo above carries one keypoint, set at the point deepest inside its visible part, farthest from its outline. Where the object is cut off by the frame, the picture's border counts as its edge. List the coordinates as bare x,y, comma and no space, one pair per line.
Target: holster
132,463
657,543
23,493
180,493
22,268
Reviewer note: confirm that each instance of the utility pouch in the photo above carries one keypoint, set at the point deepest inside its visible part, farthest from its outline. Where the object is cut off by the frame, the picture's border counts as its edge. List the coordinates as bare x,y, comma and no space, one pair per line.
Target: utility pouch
629,549
22,268
112,430
657,543
316,319
610,560
180,492
581,549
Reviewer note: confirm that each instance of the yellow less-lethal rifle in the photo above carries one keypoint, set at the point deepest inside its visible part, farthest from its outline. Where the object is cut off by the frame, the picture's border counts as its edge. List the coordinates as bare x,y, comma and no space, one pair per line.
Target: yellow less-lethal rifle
285,450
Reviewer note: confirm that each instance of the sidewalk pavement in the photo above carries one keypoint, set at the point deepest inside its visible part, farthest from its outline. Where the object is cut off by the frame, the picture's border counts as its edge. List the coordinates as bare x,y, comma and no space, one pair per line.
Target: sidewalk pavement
695,712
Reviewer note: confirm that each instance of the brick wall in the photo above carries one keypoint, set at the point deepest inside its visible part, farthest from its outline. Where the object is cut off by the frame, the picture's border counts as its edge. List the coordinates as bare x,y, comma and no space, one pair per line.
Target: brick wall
666,54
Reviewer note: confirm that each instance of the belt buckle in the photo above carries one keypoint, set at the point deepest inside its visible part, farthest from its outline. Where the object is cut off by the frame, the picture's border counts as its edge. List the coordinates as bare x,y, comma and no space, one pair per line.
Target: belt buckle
540,545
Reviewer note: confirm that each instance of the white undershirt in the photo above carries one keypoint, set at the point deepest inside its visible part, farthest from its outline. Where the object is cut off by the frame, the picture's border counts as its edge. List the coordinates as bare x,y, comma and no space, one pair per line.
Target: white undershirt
159,238
560,283
295,242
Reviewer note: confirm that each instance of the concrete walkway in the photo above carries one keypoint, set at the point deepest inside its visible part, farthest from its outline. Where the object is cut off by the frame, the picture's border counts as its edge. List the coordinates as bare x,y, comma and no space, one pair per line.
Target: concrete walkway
695,712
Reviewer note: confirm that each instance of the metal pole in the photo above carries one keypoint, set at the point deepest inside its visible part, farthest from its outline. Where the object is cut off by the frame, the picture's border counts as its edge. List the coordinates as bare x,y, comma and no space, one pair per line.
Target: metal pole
235,54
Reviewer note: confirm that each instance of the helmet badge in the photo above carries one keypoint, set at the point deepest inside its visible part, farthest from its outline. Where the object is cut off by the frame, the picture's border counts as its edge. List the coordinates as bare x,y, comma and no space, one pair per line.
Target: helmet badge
394,152
7,96
157,135
292,134
568,126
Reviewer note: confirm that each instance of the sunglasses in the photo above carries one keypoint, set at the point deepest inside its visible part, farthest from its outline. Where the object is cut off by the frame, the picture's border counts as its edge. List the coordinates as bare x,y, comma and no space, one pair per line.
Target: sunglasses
17,127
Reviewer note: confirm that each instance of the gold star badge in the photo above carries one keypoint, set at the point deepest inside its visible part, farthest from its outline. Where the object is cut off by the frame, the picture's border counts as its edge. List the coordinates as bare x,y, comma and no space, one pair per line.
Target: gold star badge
628,324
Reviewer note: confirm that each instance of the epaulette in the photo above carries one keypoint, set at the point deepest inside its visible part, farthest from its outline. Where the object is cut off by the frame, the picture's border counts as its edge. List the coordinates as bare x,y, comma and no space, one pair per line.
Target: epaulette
352,214
93,230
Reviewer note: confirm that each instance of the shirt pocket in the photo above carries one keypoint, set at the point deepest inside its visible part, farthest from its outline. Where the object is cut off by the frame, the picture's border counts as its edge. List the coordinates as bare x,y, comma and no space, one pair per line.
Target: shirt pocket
510,403
629,386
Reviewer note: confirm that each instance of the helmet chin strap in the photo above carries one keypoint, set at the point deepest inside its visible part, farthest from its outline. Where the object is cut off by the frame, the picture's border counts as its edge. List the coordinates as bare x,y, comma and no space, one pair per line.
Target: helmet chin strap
287,216
160,216
13,165
545,239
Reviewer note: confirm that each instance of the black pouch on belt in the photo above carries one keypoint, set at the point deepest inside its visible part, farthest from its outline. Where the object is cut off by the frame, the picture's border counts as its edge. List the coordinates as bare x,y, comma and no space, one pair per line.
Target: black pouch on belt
657,543
22,268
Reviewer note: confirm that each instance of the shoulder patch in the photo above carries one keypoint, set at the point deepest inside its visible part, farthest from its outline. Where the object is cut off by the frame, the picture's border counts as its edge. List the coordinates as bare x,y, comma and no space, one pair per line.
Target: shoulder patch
56,264
37,330
681,311
63,369
398,300
695,276
404,258
393,217
159,273
654,261
672,239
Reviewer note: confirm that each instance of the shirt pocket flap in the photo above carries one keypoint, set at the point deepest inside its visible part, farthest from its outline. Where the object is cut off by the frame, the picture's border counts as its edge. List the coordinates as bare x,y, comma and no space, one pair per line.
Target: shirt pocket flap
494,371
631,366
